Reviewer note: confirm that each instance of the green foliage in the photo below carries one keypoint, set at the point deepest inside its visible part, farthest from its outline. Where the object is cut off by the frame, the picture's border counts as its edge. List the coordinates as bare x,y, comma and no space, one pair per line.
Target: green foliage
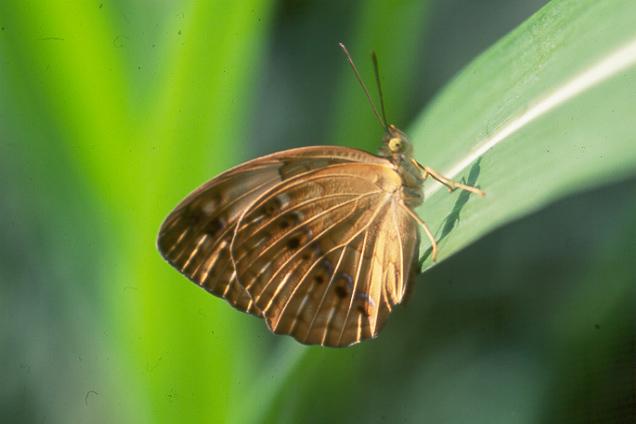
112,111
542,114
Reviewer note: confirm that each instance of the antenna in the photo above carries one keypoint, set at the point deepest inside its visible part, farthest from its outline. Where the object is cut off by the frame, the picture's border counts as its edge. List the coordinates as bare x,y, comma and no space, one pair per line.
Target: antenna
364,87
376,70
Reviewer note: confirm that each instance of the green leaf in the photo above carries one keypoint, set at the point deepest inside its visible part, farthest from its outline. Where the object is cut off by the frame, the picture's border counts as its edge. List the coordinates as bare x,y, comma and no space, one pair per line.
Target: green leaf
195,129
546,112
140,118
112,110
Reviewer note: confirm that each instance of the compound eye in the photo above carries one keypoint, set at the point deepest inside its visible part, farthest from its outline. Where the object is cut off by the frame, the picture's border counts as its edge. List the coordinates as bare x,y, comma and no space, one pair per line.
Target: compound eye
395,144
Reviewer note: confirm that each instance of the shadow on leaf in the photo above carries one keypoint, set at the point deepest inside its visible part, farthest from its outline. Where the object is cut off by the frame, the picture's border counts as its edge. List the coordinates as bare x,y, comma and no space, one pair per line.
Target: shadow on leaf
453,217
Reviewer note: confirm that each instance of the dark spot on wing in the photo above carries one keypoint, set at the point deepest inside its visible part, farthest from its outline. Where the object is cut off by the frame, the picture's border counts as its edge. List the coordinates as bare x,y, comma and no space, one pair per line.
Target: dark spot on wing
214,226
301,237
293,243
344,283
341,292
365,305
192,214
290,219
272,206
361,309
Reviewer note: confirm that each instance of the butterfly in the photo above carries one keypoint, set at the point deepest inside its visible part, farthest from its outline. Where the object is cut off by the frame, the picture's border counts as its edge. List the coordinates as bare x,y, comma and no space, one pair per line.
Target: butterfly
320,242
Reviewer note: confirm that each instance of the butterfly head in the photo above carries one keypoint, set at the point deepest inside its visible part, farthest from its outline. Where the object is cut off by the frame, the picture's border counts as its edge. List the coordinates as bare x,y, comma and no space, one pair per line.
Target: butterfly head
396,144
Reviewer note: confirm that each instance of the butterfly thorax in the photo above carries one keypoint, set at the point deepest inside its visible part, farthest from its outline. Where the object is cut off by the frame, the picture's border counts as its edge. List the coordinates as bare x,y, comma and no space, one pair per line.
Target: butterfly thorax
399,151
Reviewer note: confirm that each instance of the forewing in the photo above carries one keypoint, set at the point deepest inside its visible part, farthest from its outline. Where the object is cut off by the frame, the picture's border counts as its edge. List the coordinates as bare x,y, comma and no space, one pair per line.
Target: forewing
325,255
196,236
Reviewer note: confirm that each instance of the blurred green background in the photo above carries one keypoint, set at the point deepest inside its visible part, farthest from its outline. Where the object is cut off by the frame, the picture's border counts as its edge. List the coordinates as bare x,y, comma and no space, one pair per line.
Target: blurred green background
111,111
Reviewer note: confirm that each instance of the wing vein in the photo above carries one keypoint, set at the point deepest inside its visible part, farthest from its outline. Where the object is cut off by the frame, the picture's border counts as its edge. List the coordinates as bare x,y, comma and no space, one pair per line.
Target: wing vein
344,245
293,229
399,236
324,295
197,246
317,261
298,206
355,284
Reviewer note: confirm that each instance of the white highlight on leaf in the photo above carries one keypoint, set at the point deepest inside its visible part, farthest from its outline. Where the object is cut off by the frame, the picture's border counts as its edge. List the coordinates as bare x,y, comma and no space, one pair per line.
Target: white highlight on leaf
609,66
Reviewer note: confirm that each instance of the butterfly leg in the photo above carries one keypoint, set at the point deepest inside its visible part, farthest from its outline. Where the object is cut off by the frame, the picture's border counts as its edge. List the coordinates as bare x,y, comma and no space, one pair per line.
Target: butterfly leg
427,231
450,184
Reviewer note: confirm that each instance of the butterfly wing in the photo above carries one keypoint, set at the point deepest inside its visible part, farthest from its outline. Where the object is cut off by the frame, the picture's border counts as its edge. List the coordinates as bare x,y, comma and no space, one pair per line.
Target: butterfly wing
196,236
326,254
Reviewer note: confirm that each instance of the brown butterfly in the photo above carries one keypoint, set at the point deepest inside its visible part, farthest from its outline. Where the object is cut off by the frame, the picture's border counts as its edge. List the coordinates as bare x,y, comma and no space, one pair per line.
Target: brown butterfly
321,242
